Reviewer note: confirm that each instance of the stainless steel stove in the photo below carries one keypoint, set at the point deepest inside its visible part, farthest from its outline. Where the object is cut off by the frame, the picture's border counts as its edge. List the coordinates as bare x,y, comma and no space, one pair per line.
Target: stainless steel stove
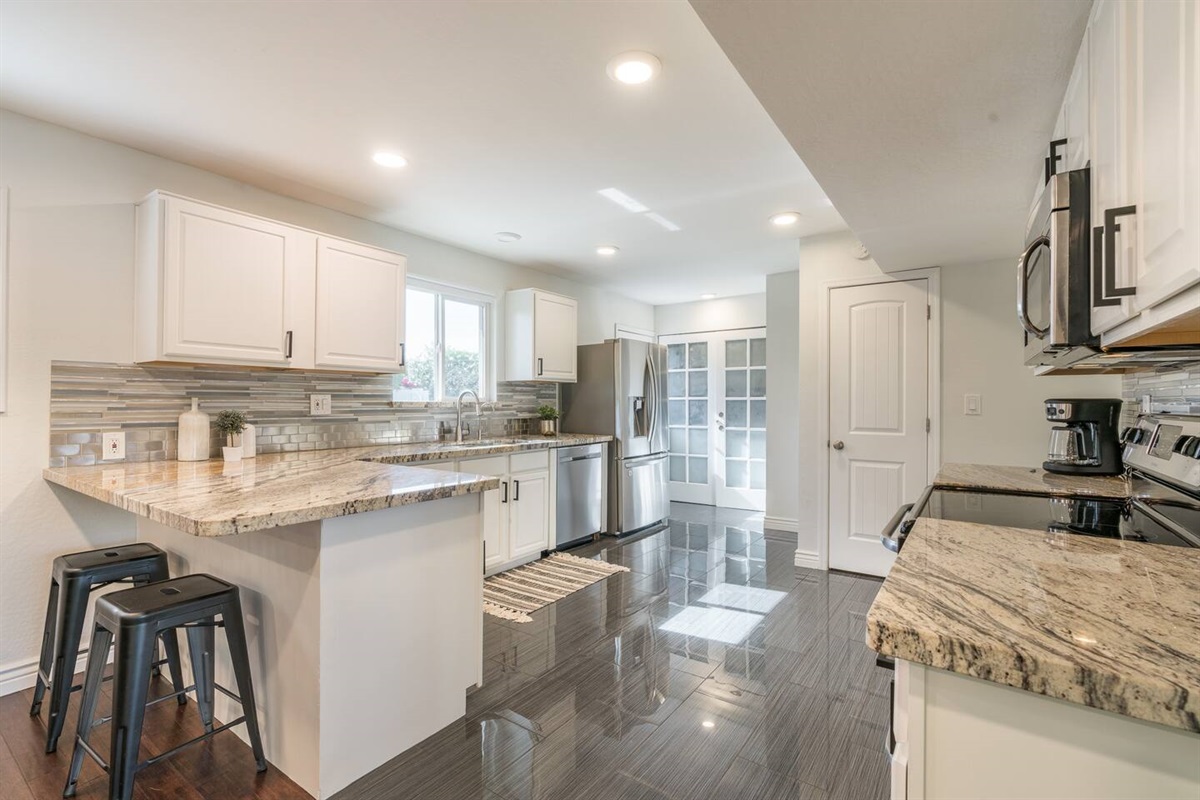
1162,457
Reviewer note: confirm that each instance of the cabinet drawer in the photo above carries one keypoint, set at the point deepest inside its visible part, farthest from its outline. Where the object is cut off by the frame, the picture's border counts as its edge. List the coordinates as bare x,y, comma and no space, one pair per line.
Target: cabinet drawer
538,459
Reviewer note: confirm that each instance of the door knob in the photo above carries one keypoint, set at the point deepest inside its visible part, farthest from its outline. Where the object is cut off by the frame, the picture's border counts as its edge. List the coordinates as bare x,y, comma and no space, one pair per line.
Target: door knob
839,445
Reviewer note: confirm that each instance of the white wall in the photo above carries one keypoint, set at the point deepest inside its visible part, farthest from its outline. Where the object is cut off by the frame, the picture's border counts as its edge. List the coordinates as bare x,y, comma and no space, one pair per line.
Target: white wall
71,292
720,314
783,391
981,353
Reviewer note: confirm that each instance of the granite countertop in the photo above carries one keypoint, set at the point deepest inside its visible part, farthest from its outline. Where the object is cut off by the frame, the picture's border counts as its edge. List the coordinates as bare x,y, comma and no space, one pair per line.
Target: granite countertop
990,478
1109,624
212,498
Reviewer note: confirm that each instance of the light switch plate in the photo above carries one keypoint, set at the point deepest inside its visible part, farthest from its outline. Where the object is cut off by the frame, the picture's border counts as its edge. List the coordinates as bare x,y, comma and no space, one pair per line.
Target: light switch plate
973,405
319,405
113,445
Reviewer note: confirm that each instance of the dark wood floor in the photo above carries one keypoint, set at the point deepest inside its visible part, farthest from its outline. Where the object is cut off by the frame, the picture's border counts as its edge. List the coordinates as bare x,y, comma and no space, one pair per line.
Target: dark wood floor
714,669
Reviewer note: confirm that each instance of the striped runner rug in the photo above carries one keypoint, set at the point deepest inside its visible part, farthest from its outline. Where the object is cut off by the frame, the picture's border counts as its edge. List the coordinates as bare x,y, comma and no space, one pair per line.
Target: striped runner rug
512,595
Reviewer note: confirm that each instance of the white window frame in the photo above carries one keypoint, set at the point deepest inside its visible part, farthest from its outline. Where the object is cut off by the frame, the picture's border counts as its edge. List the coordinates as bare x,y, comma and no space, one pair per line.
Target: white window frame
443,292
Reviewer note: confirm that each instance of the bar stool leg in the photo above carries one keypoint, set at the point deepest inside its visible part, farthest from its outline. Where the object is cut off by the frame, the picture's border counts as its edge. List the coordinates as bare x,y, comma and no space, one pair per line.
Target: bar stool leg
201,643
131,684
72,608
97,658
46,662
235,634
170,638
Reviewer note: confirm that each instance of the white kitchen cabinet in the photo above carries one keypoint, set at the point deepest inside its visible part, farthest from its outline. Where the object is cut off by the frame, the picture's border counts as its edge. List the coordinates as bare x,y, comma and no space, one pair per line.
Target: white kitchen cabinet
359,307
1073,120
529,512
542,336
1110,44
1166,148
216,286
517,517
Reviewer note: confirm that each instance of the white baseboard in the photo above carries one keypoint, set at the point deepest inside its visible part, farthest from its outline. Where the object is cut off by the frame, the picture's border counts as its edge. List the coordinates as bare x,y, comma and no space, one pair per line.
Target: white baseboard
21,675
782,524
810,559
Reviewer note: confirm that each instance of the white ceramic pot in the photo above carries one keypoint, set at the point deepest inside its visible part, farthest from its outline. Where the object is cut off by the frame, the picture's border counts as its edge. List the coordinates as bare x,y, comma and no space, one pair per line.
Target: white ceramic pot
232,453
249,442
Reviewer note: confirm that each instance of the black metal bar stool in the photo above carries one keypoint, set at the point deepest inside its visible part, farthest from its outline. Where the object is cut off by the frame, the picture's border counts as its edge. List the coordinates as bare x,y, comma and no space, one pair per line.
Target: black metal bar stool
136,618
72,580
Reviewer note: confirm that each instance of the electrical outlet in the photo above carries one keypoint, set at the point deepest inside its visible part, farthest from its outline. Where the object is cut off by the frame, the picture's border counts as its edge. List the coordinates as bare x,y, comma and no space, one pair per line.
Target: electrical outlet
973,405
113,445
319,405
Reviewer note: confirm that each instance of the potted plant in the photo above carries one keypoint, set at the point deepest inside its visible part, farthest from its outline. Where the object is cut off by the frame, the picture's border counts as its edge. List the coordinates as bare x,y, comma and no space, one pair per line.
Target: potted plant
549,417
231,424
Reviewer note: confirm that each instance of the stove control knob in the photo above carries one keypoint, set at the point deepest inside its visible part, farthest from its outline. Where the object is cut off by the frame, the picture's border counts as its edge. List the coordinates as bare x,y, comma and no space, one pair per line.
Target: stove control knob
1192,448
1133,435
1182,444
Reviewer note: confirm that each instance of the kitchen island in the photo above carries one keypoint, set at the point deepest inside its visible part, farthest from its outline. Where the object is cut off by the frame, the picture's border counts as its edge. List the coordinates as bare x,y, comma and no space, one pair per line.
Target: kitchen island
1038,665
361,581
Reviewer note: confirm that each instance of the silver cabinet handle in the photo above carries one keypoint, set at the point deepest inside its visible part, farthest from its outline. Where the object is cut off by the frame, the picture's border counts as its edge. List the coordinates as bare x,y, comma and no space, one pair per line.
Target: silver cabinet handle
839,445
1023,288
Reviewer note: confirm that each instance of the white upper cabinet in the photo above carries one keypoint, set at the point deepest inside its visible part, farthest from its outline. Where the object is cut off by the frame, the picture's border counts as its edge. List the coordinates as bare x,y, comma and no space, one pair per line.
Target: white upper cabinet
1073,121
542,336
214,285
1167,149
217,286
1145,156
360,307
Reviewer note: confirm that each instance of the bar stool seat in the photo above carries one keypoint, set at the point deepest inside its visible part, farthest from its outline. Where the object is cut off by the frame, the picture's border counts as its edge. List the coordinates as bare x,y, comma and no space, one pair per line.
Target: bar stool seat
132,620
73,578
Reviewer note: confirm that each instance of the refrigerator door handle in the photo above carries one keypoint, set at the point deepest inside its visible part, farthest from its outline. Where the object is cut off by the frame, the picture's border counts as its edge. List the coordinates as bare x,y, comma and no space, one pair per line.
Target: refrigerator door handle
652,396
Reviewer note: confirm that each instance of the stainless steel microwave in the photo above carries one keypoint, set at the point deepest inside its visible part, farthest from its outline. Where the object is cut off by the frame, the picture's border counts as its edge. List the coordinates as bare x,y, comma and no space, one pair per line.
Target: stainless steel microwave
1053,274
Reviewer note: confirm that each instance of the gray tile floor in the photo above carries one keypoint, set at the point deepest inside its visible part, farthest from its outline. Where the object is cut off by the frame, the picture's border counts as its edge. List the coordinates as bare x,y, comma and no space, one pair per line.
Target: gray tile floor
713,669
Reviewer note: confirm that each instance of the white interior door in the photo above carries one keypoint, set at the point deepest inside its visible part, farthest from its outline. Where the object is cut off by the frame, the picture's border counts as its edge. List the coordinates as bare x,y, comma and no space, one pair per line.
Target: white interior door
717,417
878,415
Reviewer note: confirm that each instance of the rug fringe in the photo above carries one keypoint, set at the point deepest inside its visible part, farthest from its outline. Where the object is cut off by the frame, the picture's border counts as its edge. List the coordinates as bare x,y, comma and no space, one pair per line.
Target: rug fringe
536,583
604,565
505,613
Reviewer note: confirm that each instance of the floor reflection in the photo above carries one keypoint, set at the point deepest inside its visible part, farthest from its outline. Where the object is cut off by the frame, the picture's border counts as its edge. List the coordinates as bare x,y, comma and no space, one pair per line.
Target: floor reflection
714,668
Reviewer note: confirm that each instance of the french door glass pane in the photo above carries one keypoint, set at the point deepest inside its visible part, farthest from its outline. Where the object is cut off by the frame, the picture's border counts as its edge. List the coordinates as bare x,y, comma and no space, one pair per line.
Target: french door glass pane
758,383
735,413
736,475
758,352
735,353
698,355
676,384
745,423
697,470
735,383
758,414
698,412
735,444
676,412
698,441
678,440
679,469
698,383
676,356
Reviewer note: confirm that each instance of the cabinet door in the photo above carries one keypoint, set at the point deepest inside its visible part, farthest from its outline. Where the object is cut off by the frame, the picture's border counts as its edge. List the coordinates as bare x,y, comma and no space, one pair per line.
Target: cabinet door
360,307
226,282
529,515
1110,132
555,337
1074,116
1167,149
495,509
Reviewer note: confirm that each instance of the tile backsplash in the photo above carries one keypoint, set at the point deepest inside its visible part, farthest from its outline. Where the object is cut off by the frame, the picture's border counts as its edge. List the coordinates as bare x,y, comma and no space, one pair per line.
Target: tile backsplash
1174,391
87,399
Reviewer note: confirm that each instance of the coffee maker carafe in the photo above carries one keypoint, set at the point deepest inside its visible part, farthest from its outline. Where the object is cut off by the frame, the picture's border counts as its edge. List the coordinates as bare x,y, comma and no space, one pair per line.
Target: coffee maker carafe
1086,441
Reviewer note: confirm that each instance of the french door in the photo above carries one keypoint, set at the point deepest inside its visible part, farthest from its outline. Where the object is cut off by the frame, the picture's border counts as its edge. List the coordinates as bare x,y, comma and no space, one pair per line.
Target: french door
717,417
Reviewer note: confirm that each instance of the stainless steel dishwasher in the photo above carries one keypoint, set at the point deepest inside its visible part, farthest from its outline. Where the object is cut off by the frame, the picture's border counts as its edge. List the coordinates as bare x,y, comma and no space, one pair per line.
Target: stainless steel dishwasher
580,495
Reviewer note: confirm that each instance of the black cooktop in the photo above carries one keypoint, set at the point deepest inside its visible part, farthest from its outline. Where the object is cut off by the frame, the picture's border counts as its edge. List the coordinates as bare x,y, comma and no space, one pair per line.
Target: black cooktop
1111,519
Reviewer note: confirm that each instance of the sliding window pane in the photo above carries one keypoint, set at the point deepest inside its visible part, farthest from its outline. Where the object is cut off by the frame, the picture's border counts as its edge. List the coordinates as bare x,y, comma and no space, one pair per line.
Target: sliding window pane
463,365
420,338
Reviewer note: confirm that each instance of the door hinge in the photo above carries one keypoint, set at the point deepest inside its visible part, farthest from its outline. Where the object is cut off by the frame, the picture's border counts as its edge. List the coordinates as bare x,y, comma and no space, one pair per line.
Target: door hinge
928,425
928,312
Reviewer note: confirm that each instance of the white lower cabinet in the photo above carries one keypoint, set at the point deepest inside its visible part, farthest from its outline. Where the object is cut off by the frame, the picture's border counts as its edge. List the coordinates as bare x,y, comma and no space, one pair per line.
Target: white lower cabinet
529,513
962,738
517,523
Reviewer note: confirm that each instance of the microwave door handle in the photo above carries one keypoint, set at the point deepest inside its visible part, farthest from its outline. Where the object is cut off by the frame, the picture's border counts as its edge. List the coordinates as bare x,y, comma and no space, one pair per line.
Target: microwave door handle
1023,288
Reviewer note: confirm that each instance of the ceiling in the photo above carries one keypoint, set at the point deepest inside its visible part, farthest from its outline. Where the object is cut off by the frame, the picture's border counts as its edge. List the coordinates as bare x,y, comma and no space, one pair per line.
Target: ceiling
925,121
503,109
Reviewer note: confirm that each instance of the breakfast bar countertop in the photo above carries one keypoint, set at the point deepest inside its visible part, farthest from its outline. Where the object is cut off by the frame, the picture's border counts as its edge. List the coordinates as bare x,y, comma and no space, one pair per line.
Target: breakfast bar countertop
1109,624
214,498
1028,480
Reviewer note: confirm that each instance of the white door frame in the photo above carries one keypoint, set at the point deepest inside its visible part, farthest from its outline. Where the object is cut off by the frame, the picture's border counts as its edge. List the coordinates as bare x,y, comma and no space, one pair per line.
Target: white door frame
820,559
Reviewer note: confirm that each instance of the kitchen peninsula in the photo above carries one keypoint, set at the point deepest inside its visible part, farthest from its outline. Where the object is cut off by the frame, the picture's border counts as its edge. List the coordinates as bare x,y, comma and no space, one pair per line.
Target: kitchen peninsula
365,629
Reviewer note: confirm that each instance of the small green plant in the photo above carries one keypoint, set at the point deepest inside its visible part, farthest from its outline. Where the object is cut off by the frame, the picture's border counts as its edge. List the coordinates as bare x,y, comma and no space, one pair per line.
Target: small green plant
547,413
230,423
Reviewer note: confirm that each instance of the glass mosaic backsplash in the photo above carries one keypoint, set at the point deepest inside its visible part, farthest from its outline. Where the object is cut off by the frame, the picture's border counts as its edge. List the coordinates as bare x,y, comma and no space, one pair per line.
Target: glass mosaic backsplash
1173,392
87,399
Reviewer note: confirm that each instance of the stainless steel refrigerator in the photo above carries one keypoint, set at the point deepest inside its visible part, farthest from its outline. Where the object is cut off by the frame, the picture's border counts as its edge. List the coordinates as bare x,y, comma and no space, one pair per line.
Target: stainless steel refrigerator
622,392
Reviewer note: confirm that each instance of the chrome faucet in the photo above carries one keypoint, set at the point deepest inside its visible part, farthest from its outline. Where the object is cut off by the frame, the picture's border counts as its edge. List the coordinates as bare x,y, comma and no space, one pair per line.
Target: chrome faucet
458,434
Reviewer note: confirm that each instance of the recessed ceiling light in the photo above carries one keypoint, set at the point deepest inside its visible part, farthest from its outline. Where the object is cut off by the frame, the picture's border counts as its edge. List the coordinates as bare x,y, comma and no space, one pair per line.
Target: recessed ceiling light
393,160
508,236
607,250
634,67
785,218
708,296
623,200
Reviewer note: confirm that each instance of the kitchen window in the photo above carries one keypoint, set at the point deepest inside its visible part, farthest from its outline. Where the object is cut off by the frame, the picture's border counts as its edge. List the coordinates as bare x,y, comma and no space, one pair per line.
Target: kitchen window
447,343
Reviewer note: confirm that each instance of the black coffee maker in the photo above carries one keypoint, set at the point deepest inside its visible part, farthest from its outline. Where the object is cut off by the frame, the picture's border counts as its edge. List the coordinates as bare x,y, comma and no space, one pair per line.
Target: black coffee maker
1086,442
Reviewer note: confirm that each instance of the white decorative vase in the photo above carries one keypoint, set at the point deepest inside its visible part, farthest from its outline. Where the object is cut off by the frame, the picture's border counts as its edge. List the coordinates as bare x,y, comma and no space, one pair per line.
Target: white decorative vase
194,434
232,454
249,442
